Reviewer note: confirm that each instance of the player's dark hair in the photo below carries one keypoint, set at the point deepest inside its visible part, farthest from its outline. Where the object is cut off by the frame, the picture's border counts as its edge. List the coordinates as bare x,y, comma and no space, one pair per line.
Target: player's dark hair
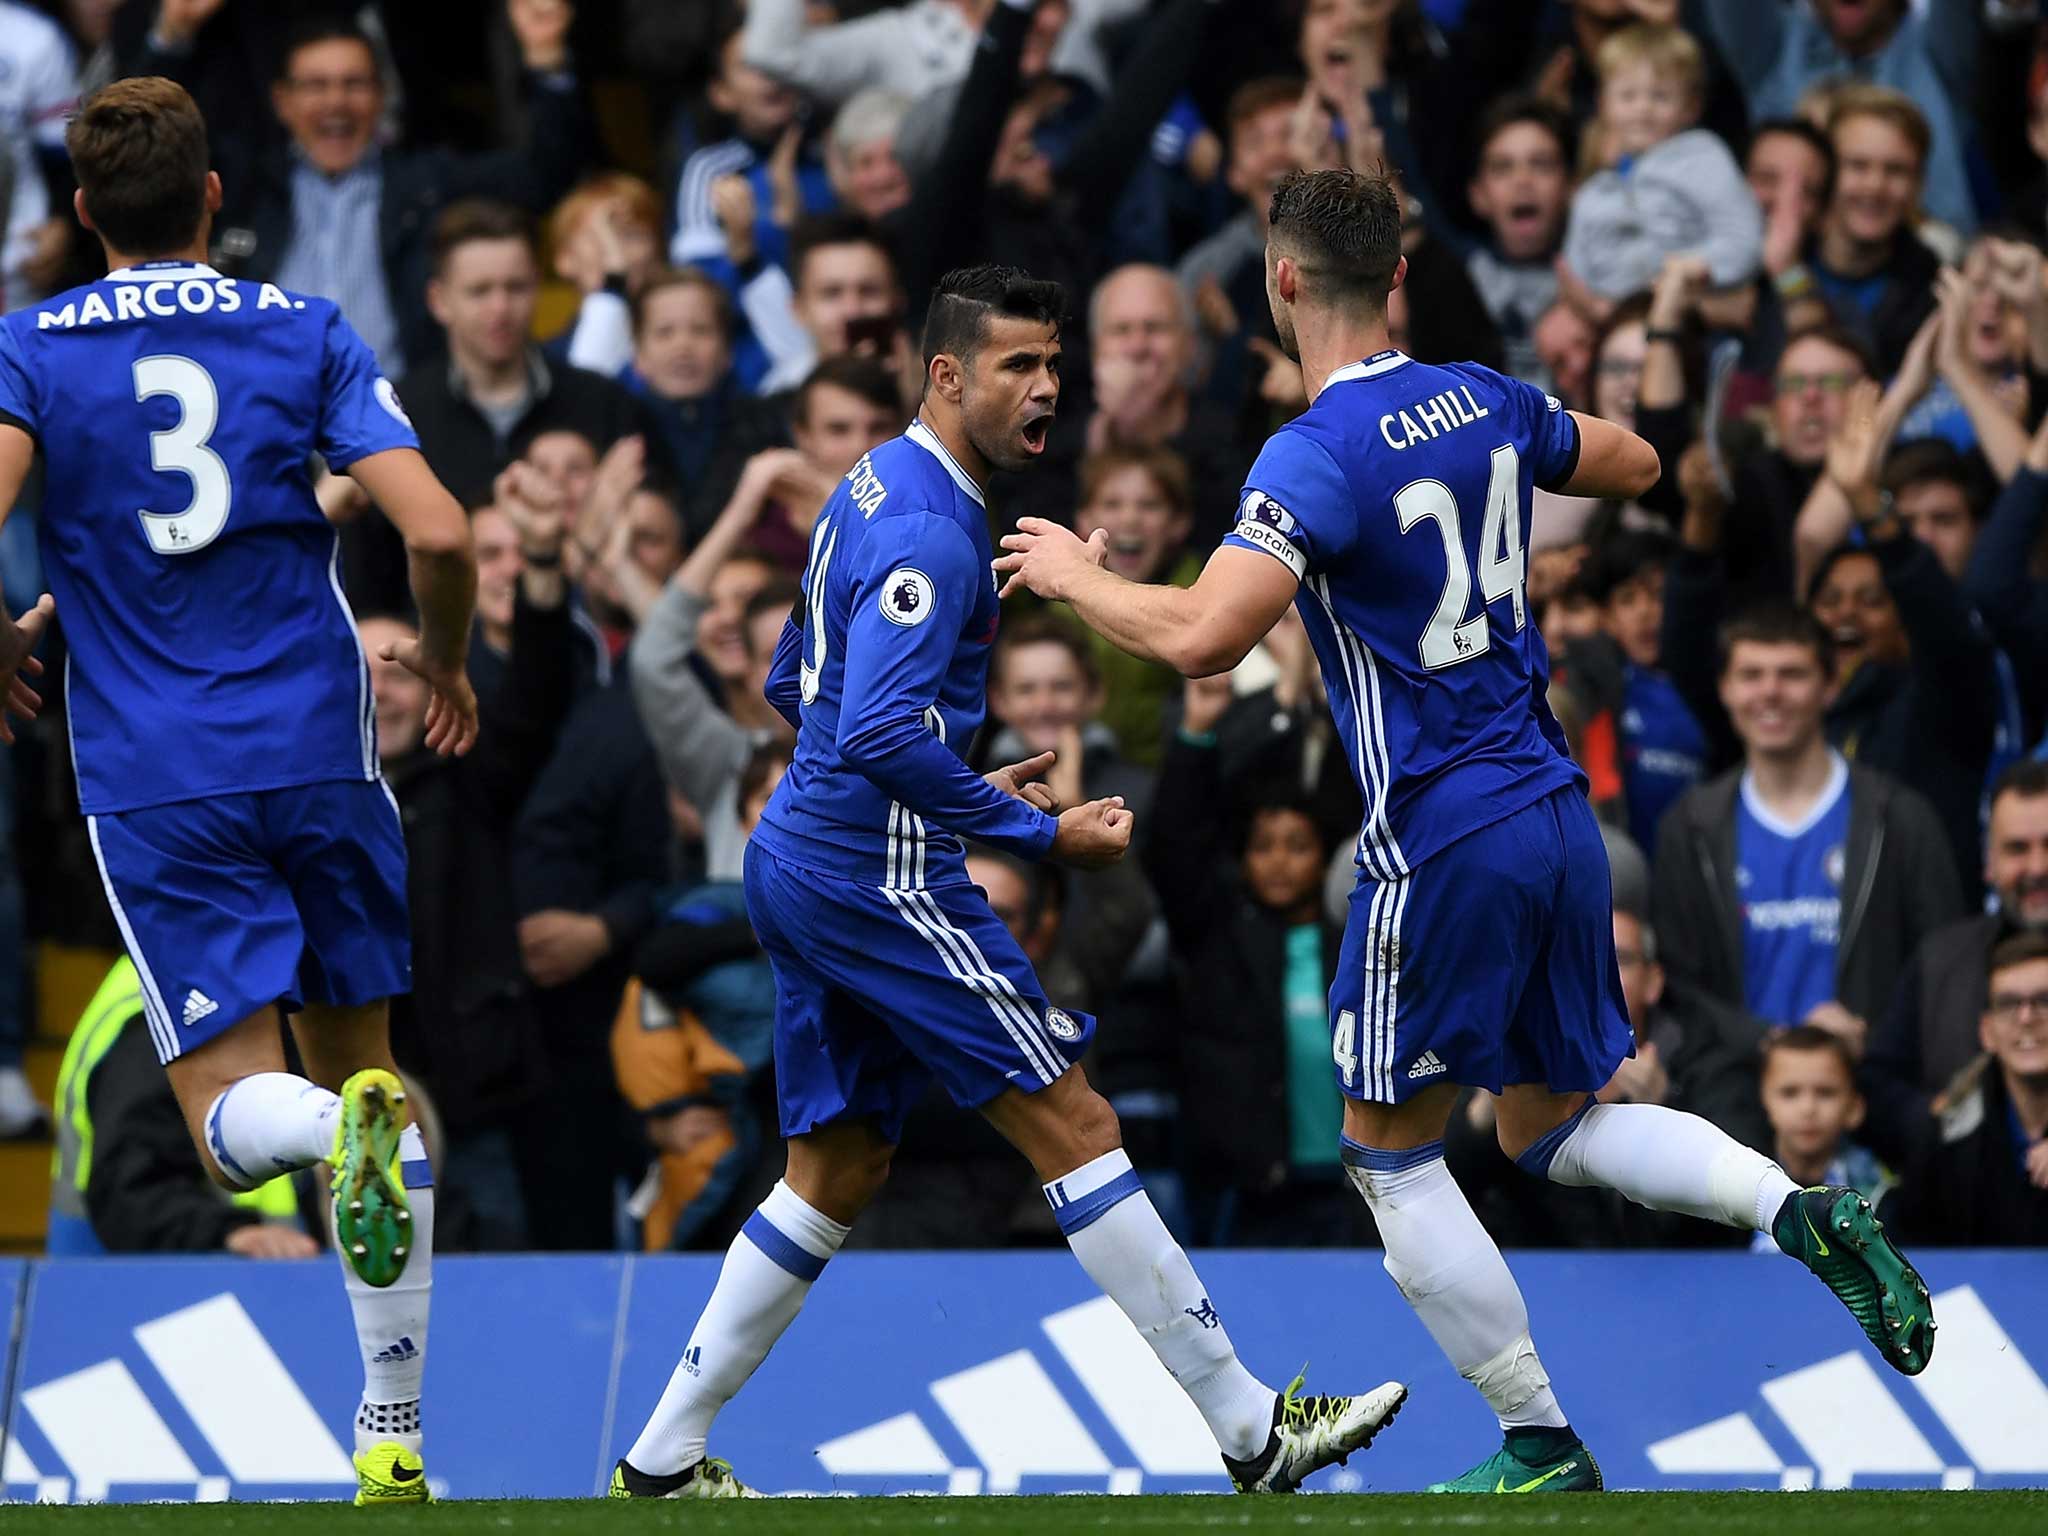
1937,460
1043,629
1811,1037
668,279
1523,107
1777,622
1344,231
967,298
1809,135
138,149
470,219
818,230
2027,778
1624,556
867,377
330,27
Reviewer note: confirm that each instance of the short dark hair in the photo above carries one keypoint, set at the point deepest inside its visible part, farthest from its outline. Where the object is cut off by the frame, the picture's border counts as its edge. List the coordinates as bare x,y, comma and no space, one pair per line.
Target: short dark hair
138,149
765,758
1523,107
1833,558
1260,95
1777,623
1277,799
2017,950
968,297
1622,557
669,278
1840,337
1044,629
1045,883
1936,459
1811,1037
330,27
816,231
778,596
1344,228
868,377
470,219
1806,133
2027,778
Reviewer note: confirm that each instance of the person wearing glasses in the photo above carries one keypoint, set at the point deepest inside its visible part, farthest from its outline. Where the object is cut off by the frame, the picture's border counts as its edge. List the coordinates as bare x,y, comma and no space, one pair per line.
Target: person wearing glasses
1981,1178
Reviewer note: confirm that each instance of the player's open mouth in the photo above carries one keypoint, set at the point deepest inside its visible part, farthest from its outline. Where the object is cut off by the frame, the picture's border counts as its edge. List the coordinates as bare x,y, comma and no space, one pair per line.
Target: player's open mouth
1034,432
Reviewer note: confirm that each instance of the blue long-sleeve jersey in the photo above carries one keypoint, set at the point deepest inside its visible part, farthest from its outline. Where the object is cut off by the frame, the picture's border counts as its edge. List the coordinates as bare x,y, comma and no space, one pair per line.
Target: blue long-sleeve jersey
884,670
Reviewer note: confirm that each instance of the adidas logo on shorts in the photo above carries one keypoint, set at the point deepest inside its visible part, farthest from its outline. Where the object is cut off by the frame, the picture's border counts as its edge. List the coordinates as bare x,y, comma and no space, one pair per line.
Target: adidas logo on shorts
1426,1066
197,1006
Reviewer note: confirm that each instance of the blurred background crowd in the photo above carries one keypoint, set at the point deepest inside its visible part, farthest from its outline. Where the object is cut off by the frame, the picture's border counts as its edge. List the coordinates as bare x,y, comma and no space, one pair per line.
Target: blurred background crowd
649,275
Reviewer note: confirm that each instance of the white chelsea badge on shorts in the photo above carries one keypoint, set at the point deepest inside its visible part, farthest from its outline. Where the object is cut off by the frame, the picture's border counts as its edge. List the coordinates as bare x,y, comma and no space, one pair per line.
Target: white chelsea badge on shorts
907,596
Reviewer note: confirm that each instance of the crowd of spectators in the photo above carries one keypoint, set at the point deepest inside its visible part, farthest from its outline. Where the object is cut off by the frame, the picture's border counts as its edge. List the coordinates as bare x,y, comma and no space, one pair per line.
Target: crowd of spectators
649,277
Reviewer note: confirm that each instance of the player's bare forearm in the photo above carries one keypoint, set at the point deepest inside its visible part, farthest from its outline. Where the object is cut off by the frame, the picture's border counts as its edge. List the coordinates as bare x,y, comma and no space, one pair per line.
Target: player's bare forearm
436,534
1151,623
1614,464
1198,631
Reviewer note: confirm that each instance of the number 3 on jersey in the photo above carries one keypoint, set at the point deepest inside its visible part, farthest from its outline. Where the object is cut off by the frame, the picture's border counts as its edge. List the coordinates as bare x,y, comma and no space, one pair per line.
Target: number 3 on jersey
1450,637
183,448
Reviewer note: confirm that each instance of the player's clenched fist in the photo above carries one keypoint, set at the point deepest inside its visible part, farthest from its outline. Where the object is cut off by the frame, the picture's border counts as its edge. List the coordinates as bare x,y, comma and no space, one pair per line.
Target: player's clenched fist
1093,835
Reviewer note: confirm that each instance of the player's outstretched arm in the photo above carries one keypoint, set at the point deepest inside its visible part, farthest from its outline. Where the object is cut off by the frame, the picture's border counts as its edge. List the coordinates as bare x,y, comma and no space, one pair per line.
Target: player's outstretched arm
1198,631
436,535
1614,464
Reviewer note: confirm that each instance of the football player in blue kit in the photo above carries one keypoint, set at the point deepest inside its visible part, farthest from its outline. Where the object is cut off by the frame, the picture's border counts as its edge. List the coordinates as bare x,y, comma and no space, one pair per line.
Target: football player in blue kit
221,718
1479,946
890,969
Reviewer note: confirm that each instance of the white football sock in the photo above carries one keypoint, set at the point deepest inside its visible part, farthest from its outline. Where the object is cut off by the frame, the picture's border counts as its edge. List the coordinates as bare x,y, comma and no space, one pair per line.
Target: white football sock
767,1274
391,1321
1455,1279
1664,1159
270,1123
1110,1224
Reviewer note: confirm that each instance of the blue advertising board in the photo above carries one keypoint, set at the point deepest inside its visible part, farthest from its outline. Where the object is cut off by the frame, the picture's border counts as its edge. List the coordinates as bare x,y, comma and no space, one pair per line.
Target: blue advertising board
992,1373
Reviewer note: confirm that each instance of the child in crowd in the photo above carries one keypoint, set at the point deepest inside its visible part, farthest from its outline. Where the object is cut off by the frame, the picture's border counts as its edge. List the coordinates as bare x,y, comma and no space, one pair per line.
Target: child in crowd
1809,1093
1142,498
1668,188
696,1025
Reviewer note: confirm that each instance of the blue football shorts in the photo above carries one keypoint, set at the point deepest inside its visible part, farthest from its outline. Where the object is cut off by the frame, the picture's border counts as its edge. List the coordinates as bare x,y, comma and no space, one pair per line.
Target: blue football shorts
228,905
877,991
1492,963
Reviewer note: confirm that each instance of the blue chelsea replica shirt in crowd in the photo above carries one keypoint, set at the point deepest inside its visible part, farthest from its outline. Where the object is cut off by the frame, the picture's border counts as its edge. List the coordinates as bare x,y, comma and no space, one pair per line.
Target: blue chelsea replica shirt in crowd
1400,499
211,649
1663,750
1788,881
885,670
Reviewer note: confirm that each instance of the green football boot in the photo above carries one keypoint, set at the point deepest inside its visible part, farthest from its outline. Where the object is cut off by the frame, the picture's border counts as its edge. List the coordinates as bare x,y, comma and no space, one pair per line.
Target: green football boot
1526,1464
372,1219
710,1478
1834,1233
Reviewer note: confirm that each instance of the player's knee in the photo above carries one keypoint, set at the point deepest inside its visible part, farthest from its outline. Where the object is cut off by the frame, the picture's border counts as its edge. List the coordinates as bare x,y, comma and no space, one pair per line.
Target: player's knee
1095,1127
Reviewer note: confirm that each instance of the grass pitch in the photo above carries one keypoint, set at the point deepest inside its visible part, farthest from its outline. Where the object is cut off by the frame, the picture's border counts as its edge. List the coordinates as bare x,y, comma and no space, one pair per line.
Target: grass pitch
1666,1514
